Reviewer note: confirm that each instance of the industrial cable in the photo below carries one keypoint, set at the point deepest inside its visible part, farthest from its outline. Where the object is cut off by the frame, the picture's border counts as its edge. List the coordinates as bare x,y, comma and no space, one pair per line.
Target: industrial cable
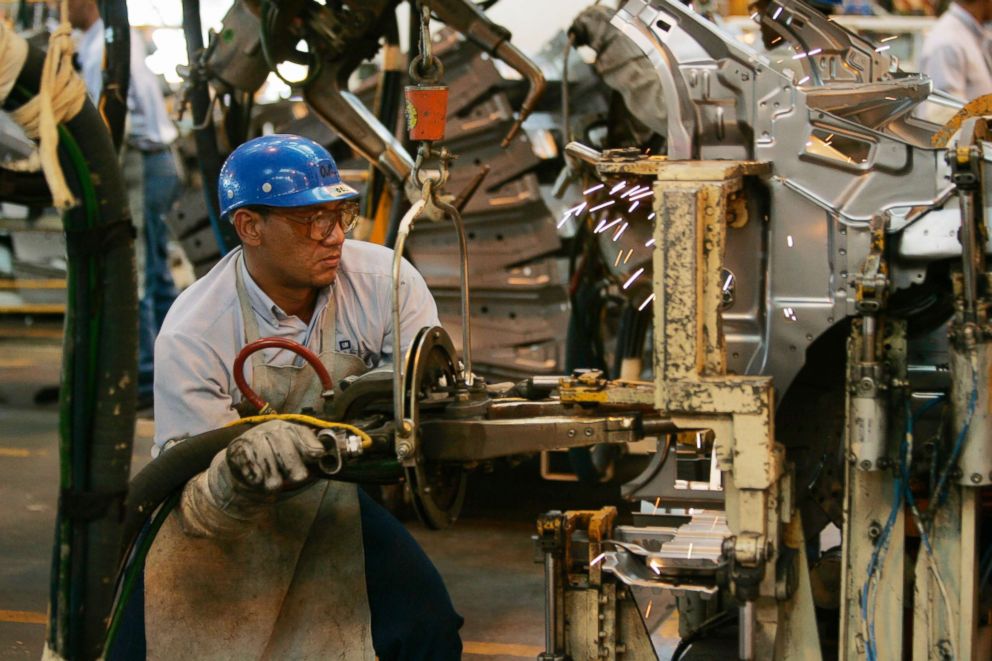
204,132
96,422
905,455
940,493
135,565
306,420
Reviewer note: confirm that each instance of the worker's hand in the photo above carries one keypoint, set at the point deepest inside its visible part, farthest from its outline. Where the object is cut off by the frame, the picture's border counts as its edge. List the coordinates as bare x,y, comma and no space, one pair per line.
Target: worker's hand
274,456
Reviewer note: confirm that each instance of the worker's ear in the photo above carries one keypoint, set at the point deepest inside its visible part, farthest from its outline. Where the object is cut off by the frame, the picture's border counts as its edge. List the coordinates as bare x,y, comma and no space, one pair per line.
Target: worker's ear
248,225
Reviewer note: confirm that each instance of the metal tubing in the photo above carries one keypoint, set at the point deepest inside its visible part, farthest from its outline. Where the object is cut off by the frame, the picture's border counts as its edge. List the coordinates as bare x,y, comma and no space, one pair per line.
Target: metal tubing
968,253
869,329
456,218
550,603
746,633
406,224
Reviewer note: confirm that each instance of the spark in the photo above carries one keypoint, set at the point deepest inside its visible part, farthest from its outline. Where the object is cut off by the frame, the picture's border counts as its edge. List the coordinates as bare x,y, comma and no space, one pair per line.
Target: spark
647,611
640,309
619,232
642,195
602,228
598,559
618,187
563,220
631,279
630,191
891,98
803,80
811,53
649,242
775,40
893,37
829,138
699,441
789,240
633,206
729,283
629,253
809,144
656,569
651,217
602,206
882,48
689,554
657,501
755,16
616,262
778,10
593,189
790,314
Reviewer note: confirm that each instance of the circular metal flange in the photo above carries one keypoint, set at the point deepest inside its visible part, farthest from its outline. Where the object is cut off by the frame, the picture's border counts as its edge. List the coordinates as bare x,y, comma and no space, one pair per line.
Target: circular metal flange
437,490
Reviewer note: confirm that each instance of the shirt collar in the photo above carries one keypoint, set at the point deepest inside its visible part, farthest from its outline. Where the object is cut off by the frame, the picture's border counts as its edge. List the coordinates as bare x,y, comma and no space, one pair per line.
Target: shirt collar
265,307
88,38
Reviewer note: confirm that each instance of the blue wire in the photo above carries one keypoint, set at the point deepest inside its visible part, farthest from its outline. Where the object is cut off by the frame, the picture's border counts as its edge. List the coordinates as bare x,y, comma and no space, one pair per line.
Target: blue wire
901,491
958,442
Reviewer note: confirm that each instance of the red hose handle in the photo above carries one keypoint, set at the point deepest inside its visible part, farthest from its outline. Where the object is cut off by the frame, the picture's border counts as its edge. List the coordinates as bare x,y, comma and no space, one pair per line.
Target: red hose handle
275,343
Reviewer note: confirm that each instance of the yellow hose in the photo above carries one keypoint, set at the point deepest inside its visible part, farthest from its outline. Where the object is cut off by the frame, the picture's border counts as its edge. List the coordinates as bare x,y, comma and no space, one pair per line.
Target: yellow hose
306,420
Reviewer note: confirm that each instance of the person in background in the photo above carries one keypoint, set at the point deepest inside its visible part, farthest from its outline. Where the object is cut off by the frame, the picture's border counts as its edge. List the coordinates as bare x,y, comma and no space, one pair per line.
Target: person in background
957,52
150,137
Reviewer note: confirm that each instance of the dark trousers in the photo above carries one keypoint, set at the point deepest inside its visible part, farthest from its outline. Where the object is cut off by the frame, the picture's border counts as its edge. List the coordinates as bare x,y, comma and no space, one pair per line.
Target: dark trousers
161,186
413,618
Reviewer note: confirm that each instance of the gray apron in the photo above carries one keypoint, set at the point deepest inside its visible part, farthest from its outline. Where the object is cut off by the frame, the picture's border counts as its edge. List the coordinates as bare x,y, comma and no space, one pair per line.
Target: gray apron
294,587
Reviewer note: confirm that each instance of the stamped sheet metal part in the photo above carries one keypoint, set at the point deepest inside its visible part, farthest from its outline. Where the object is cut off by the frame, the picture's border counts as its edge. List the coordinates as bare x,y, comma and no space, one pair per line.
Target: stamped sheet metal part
831,172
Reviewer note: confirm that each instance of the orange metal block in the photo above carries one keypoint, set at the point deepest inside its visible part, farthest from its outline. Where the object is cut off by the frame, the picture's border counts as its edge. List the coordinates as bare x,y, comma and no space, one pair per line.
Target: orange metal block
426,111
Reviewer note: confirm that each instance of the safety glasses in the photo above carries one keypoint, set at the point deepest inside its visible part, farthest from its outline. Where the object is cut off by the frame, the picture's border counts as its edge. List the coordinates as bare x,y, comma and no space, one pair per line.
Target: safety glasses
321,223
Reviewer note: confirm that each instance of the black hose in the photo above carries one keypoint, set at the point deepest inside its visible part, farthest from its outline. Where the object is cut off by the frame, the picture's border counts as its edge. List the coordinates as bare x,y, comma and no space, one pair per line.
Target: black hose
207,153
168,473
98,380
116,69
174,468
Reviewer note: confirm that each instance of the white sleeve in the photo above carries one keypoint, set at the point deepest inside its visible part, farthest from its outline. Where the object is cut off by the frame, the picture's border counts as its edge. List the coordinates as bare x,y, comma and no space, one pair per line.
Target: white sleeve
946,64
417,309
192,388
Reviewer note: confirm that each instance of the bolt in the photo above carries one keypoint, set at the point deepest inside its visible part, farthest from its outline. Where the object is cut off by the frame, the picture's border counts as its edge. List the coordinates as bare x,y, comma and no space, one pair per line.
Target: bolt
874,530
866,465
976,478
403,450
571,433
588,431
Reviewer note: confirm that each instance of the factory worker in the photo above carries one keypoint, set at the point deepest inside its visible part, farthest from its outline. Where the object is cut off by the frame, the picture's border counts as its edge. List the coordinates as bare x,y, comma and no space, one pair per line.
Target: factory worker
151,136
259,560
957,52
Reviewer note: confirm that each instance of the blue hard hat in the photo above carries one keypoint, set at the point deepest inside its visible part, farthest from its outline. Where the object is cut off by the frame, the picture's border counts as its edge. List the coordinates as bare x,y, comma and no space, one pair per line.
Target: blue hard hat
280,171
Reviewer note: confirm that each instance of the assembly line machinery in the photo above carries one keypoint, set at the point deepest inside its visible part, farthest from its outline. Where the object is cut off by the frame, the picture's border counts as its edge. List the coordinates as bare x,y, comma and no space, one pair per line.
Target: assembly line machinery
811,252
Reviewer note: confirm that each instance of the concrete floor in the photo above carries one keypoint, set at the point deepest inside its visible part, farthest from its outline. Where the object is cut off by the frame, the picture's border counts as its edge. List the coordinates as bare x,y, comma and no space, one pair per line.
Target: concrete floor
487,558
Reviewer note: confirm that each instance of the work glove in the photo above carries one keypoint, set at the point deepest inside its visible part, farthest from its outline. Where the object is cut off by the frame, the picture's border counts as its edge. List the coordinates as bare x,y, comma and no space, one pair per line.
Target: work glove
266,464
273,457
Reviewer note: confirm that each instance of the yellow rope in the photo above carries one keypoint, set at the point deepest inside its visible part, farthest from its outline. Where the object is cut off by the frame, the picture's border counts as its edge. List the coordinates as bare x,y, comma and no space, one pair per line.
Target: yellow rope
60,98
306,420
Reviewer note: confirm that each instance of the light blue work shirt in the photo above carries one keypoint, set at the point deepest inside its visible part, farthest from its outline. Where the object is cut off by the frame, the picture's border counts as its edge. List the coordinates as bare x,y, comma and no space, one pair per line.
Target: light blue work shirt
151,127
957,55
204,331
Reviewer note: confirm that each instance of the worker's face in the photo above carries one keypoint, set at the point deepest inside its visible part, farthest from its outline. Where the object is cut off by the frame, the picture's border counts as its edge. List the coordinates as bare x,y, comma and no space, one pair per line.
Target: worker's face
292,250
